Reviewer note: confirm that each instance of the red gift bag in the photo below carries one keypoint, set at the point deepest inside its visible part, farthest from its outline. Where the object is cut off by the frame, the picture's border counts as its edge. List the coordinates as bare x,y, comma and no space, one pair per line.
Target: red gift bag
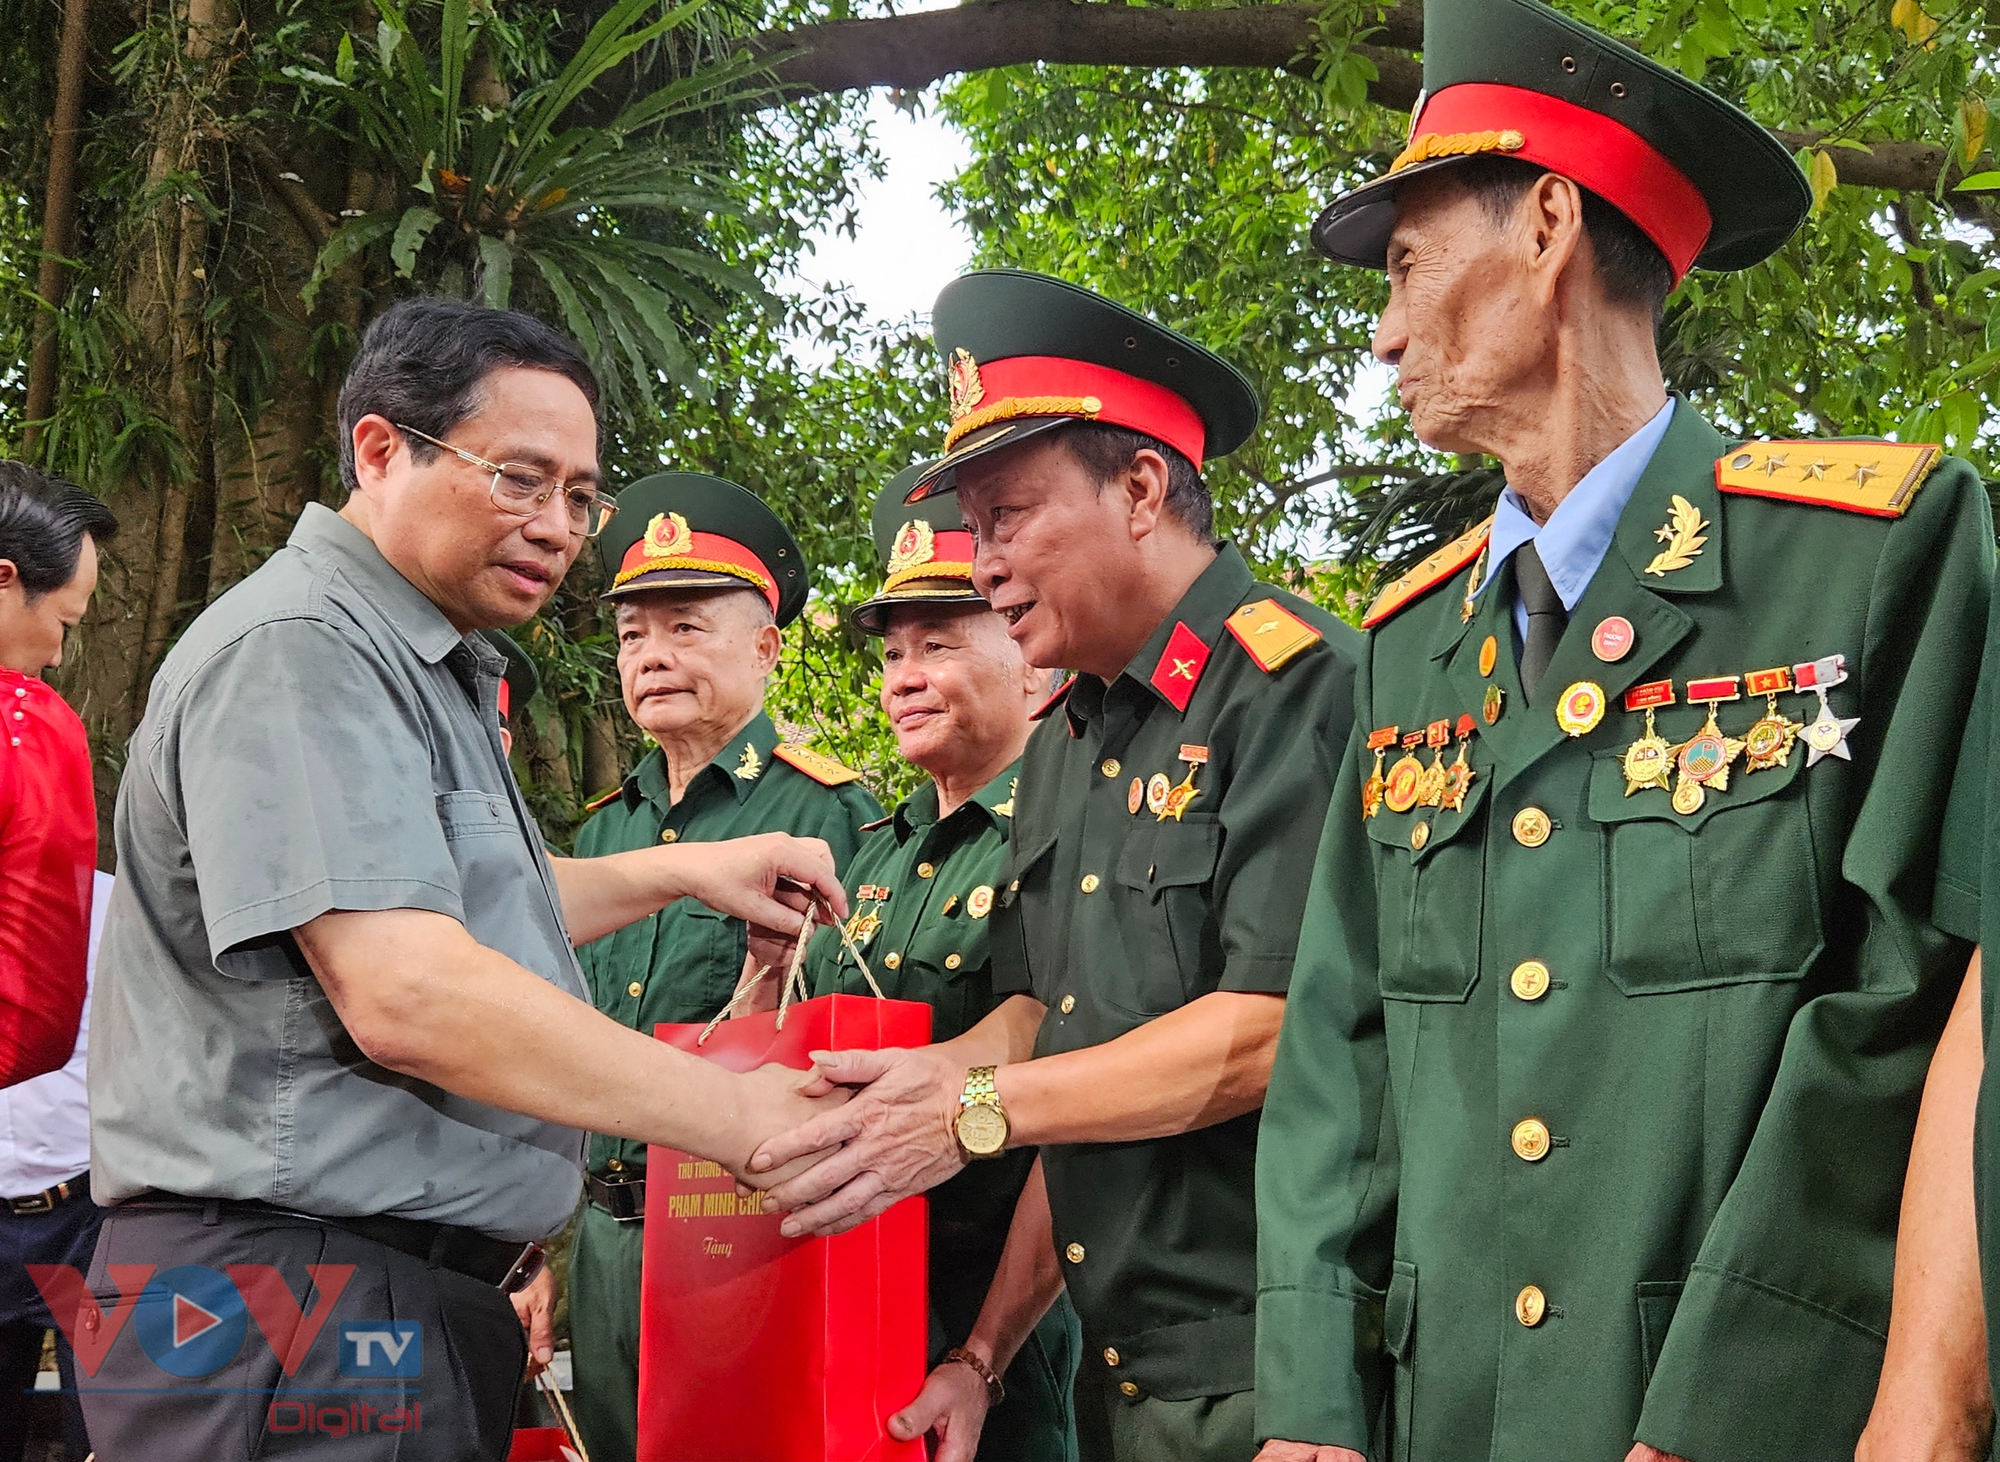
758,1348
540,1444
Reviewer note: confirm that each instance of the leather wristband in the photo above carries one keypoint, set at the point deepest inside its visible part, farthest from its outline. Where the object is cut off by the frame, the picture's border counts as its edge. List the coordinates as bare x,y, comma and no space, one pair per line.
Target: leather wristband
995,1391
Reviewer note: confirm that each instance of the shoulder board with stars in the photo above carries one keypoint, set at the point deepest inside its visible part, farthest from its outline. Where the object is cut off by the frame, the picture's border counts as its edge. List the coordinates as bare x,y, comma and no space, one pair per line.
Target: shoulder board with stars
1061,694
1427,575
1877,478
815,764
1271,633
598,804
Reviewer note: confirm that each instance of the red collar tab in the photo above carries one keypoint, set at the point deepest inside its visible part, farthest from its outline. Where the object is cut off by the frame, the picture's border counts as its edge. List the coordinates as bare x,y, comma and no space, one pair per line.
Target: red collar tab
1180,667
1047,385
1061,693
505,698
1602,155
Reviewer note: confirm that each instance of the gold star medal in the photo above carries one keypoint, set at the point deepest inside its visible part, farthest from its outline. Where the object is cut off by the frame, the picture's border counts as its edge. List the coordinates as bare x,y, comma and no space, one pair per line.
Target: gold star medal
1649,761
1826,735
1400,794
1458,776
1704,758
1431,785
1768,742
1379,741
1180,795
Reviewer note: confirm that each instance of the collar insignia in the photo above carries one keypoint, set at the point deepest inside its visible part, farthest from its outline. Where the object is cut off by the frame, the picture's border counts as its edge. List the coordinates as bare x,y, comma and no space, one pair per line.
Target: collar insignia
751,767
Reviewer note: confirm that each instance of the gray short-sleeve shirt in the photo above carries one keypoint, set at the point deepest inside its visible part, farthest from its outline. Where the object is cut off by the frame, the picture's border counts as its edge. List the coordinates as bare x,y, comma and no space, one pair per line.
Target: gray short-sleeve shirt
321,738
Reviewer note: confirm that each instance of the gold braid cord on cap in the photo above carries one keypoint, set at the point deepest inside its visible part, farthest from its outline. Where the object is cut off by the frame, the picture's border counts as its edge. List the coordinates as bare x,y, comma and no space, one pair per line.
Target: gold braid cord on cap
1457,144
1086,407
705,565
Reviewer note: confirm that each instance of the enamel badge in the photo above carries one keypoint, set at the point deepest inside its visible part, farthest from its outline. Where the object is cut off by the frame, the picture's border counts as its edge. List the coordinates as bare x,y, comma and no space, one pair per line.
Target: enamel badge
1379,741
1826,734
1768,742
1649,761
1399,794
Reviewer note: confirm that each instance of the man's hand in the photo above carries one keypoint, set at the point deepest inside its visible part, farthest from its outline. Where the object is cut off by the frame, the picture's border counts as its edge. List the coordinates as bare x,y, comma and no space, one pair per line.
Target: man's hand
895,1139
776,1100
742,877
952,1406
535,1303
1276,1451
1642,1453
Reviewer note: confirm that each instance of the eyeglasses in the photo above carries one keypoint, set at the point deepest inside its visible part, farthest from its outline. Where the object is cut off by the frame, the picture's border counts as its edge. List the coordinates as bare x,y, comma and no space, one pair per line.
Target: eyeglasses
521,490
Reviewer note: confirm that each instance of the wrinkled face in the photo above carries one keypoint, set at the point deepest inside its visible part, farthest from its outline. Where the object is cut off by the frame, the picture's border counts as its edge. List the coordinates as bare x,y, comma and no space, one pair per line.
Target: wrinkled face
1464,327
954,686
436,520
32,629
1049,546
694,663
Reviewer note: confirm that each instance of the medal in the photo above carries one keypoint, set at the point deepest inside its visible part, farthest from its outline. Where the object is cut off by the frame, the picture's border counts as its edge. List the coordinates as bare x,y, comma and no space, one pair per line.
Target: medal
1649,761
1704,758
979,903
1488,653
1135,795
1178,797
1613,638
1379,741
1431,785
1827,733
1399,794
1768,742
1458,776
1156,793
1489,709
1581,708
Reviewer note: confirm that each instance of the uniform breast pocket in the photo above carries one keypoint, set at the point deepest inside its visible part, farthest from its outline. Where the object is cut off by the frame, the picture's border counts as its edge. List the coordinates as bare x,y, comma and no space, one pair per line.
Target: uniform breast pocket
711,949
1728,895
1430,870
1163,890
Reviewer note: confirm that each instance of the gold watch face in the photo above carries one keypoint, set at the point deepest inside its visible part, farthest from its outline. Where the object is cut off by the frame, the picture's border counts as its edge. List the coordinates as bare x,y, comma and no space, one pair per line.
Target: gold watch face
982,1129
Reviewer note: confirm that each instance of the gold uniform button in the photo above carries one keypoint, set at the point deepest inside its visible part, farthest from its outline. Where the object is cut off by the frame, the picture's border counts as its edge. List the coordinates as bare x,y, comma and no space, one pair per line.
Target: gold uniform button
1128,1389
1530,1305
1111,1355
952,961
893,959
925,870
1110,767
1089,884
1531,827
1419,835
1014,887
635,989
1531,1139
1531,979
1074,1253
1068,1004
670,836
615,1165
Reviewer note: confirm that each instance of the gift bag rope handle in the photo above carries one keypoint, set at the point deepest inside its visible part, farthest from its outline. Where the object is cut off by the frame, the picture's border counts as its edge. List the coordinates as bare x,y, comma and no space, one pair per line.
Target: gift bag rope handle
795,975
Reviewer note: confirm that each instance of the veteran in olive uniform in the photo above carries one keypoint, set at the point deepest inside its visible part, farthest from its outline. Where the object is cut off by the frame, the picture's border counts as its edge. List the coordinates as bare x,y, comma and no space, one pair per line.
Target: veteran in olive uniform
1148,910
704,578
1619,975
958,695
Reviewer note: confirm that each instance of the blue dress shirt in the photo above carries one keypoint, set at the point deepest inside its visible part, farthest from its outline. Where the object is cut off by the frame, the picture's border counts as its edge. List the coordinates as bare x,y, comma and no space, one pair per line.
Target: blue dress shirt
1578,533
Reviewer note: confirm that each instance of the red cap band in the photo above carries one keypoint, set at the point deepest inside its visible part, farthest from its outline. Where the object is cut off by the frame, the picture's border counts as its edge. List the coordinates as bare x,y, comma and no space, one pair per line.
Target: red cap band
1048,385
1602,155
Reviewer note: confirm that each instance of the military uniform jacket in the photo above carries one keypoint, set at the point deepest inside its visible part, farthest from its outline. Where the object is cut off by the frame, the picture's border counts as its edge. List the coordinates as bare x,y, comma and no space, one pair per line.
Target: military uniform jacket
920,891
1113,914
682,963
1590,1117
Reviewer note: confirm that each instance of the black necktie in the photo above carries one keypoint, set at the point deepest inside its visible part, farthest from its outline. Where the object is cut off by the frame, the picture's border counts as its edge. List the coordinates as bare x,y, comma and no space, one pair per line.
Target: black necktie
1546,616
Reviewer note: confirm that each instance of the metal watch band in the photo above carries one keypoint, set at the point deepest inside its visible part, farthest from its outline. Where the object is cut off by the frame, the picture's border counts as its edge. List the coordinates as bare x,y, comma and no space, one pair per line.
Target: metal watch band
995,1391
980,1090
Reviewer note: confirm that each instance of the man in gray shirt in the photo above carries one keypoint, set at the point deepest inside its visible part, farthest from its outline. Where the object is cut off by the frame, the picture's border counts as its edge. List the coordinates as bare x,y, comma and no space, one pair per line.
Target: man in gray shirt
342,1053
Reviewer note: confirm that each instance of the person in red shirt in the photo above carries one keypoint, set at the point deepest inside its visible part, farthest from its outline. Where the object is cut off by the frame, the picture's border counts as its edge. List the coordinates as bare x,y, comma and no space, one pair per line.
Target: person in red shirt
49,536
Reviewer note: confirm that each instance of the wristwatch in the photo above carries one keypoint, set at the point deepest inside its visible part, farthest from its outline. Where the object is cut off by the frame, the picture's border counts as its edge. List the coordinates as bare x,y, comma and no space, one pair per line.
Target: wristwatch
981,1125
959,1355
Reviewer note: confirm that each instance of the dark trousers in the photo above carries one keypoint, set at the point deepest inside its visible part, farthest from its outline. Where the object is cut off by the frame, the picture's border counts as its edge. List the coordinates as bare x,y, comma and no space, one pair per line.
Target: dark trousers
63,1235
144,1405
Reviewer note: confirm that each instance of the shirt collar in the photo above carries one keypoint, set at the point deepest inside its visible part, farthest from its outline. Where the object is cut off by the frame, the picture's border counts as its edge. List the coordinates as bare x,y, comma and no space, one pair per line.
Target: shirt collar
1206,604
757,737
322,531
994,802
1579,532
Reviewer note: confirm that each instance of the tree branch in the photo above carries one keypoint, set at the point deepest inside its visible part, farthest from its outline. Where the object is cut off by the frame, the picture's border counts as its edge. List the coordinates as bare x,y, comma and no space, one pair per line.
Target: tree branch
912,51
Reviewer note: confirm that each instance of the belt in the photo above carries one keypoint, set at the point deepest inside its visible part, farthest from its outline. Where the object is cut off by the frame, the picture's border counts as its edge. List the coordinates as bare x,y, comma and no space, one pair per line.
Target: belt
622,1195
49,1199
506,1266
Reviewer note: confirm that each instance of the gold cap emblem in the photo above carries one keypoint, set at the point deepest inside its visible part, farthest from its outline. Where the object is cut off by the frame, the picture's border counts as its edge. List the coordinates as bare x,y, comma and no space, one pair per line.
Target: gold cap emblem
668,536
915,544
966,388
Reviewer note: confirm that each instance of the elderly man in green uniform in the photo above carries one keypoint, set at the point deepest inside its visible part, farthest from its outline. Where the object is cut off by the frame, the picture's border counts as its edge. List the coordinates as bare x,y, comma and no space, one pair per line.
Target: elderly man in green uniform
704,578
1619,975
1146,917
958,695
